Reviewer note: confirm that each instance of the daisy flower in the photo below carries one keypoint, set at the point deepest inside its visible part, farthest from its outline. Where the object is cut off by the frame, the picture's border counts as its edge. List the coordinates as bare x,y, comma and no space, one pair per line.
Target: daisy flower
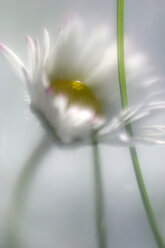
73,85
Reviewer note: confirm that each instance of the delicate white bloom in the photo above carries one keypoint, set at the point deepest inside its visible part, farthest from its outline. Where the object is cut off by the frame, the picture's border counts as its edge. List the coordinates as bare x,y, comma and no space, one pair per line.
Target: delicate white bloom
73,84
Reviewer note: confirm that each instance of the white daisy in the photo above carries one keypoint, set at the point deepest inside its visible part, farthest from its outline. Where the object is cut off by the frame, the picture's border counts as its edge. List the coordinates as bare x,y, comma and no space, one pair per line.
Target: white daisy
73,85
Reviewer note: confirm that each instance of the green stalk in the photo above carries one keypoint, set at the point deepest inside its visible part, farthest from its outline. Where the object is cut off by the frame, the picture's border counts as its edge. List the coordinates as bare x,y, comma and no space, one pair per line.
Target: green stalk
133,153
99,201
12,239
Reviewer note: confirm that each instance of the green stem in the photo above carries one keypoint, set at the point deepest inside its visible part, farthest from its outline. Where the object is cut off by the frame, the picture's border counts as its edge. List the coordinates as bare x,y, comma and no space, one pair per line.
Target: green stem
124,99
98,196
22,185
145,199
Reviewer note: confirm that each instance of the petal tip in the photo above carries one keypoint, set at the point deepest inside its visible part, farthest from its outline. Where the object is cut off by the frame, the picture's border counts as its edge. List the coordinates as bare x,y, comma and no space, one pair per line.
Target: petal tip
27,38
45,31
2,47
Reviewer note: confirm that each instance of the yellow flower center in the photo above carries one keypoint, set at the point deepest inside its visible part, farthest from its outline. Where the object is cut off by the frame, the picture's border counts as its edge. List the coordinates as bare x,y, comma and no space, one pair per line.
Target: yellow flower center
77,93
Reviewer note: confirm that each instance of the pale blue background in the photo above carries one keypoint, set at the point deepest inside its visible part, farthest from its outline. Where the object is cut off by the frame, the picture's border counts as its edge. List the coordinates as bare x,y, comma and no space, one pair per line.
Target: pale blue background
58,208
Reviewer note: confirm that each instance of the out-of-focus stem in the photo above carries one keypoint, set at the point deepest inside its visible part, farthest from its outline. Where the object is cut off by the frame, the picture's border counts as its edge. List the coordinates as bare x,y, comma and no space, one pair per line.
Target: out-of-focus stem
99,201
20,193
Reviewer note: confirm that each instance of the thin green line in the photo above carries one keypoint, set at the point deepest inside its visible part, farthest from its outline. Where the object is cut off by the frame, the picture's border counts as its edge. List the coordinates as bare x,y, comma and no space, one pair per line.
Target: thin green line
133,152
120,44
99,201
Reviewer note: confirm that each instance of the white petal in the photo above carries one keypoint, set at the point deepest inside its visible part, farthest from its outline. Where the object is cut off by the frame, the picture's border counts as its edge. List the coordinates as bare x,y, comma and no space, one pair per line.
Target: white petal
104,80
93,49
16,64
31,55
120,139
60,102
79,116
46,46
137,116
64,59
37,55
26,76
154,134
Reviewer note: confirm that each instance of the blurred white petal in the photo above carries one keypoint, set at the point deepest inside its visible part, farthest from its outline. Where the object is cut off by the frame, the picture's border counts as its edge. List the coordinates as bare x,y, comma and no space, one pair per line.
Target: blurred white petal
46,46
13,60
31,56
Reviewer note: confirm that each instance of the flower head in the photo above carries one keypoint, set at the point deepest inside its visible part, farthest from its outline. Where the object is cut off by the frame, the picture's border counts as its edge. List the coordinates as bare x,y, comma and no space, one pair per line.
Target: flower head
72,85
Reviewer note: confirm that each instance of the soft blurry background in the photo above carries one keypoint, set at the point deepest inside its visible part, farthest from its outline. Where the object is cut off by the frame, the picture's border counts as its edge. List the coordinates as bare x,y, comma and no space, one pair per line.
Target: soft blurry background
52,204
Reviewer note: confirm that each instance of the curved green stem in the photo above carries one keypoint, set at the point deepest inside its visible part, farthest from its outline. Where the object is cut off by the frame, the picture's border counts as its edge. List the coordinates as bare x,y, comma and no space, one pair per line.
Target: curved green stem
133,152
145,199
99,201
20,193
